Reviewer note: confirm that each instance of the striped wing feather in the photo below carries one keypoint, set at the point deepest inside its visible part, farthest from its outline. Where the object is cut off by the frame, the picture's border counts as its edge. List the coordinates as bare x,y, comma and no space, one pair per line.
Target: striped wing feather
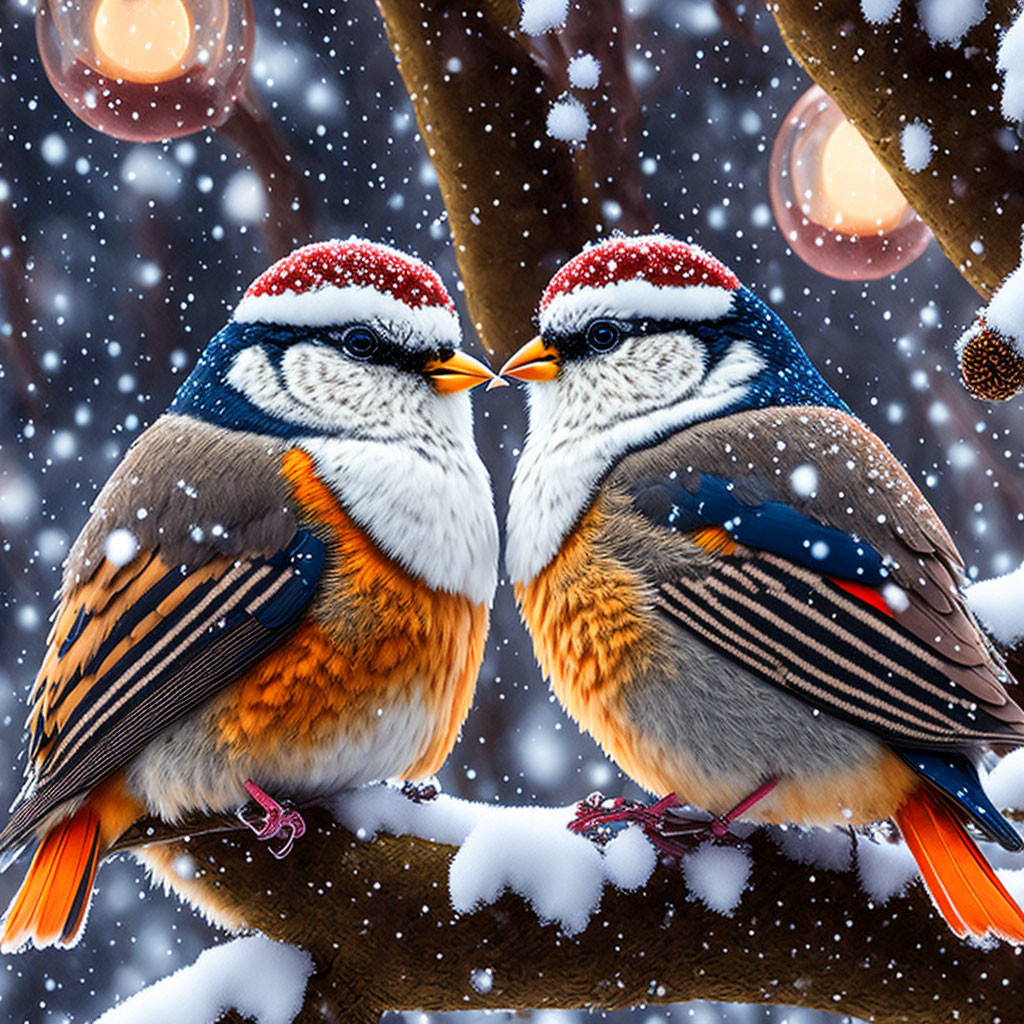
922,675
806,634
138,646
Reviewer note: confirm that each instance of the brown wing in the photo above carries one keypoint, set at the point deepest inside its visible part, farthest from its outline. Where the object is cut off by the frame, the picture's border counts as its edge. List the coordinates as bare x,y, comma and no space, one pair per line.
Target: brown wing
138,647
221,575
875,629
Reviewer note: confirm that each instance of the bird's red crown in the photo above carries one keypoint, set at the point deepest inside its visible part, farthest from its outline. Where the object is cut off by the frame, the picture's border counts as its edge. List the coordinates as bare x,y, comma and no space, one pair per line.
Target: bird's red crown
662,261
650,275
354,262
329,282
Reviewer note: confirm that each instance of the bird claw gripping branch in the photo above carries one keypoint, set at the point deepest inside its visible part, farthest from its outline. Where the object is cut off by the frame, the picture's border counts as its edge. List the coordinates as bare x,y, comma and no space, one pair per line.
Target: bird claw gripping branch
672,833
278,821
420,792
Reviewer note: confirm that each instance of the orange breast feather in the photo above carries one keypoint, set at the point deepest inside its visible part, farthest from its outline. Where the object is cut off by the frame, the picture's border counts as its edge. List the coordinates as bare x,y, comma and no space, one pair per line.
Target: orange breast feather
593,631
375,635
596,634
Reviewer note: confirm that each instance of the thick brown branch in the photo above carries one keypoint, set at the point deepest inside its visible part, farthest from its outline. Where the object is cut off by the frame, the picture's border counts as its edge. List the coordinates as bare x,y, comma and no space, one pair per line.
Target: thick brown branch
887,76
519,202
375,916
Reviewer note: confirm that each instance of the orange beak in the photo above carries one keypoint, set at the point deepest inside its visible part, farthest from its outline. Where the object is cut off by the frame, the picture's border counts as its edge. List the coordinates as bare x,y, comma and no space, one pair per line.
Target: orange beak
457,373
536,360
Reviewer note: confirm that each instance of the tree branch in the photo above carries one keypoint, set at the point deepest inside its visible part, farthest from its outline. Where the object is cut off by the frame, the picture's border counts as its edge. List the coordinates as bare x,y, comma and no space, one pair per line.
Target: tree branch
519,202
886,76
377,920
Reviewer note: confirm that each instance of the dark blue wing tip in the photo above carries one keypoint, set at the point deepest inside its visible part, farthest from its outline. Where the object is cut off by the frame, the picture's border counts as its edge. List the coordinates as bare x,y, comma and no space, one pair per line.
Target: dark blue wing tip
768,526
306,555
956,776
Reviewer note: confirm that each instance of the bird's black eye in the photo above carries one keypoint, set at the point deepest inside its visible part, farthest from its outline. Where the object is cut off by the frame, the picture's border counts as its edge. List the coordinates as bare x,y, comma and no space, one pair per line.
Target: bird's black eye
603,335
360,342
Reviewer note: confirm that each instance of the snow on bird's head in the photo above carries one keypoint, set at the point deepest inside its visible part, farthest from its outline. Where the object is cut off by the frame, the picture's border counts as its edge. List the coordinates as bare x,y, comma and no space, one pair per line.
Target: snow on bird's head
647,276
328,284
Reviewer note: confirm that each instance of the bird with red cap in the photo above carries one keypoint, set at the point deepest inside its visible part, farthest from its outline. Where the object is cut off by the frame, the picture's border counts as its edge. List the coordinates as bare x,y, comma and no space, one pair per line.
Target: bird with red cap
281,592
734,585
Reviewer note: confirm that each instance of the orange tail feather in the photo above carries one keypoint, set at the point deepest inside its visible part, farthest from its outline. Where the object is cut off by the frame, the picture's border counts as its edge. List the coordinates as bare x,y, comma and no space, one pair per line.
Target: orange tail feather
49,908
959,879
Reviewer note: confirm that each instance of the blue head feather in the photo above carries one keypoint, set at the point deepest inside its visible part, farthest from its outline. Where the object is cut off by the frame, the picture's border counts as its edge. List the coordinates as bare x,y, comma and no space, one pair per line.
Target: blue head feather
788,377
207,395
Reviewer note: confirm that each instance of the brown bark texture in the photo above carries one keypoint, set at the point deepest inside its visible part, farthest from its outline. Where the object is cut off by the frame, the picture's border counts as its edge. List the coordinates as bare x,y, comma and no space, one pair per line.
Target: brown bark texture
519,202
886,76
376,918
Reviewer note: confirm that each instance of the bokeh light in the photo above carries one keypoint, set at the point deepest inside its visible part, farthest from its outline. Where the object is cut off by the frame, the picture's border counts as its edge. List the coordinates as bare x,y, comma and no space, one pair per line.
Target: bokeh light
834,201
143,70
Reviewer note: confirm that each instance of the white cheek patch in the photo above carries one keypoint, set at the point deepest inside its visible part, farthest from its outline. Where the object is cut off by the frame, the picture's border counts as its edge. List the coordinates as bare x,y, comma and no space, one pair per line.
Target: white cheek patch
252,374
580,425
347,395
642,375
323,390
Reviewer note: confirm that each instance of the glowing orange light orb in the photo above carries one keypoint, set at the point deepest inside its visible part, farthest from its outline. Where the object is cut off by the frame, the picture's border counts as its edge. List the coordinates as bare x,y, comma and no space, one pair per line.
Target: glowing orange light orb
142,40
834,201
144,70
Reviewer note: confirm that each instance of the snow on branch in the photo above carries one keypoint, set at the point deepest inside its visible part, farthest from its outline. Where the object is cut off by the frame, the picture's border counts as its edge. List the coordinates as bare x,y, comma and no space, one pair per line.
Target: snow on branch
264,980
999,604
504,908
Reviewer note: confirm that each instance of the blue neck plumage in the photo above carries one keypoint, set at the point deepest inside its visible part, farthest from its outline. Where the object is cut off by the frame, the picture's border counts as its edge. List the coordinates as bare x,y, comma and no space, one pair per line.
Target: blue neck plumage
788,376
206,395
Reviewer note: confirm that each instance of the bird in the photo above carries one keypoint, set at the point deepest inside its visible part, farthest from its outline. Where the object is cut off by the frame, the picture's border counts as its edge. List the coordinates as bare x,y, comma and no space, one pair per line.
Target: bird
283,588
735,587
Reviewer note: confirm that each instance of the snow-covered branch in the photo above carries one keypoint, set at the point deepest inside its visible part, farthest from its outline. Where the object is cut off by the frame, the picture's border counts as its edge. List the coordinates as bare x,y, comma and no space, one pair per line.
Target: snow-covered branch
888,67
921,66
490,907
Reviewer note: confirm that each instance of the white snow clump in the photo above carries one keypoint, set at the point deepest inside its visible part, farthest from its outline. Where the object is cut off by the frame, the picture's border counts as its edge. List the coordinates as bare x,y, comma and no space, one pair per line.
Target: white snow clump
916,142
999,602
947,22
1004,313
541,16
120,547
261,979
527,850
1005,783
1011,63
530,851
568,121
585,71
804,480
879,11
885,869
717,876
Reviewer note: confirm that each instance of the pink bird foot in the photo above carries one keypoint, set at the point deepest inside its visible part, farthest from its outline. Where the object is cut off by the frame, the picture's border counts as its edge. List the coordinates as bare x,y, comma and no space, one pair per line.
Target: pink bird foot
278,820
669,831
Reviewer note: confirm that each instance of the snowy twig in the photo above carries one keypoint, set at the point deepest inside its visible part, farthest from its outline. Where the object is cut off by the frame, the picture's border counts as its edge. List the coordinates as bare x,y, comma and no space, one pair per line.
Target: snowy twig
376,917
888,69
